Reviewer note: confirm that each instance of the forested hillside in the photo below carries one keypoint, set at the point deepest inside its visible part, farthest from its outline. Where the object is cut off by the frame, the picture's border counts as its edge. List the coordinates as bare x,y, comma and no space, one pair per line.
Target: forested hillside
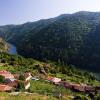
67,39
3,46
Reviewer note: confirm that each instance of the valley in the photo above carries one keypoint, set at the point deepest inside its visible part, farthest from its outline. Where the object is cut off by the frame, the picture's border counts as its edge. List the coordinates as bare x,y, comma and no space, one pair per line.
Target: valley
62,54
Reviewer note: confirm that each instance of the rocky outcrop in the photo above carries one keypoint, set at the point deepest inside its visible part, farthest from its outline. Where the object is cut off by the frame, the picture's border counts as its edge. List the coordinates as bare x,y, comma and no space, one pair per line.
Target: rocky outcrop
4,46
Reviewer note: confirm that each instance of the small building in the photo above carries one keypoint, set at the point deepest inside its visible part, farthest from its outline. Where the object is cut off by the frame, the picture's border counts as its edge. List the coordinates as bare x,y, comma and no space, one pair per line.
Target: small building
66,84
6,74
9,80
13,83
54,80
26,85
4,88
49,78
27,76
78,87
89,89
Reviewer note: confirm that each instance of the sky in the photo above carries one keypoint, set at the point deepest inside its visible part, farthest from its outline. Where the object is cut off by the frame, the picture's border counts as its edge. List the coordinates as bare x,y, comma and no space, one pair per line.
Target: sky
21,11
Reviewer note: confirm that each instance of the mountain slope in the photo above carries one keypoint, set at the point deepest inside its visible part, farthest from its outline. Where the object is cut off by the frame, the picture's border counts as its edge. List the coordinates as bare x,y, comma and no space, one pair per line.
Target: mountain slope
3,46
67,39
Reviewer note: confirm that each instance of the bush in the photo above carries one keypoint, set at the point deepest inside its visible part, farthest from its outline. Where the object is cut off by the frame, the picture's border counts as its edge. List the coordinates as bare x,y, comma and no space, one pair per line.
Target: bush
97,97
21,77
1,79
21,85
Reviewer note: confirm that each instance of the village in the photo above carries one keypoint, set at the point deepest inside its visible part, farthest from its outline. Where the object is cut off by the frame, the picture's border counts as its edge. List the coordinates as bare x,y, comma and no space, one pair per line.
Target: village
13,82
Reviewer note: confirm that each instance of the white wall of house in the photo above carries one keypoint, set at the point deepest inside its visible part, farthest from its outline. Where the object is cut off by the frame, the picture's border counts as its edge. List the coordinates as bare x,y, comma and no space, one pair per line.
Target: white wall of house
27,86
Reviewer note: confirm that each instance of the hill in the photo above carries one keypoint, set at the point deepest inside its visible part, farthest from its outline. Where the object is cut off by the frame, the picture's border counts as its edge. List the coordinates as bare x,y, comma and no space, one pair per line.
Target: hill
66,39
41,88
3,45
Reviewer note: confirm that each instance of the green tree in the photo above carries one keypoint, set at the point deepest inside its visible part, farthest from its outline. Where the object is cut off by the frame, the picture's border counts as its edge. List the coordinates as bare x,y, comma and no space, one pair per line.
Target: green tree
21,77
97,97
20,85
1,79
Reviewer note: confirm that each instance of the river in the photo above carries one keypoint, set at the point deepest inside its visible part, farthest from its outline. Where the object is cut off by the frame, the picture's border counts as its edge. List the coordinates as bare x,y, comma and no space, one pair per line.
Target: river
12,49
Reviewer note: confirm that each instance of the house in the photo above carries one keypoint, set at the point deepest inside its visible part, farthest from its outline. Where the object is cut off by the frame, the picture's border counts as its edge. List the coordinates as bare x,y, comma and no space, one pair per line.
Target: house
54,79
78,87
89,89
26,85
13,83
27,76
66,84
9,80
50,78
26,82
4,88
6,74
16,82
97,88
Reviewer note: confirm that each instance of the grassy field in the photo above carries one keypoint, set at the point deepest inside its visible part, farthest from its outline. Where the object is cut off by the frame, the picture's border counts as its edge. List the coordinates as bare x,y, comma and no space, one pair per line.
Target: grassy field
23,96
46,88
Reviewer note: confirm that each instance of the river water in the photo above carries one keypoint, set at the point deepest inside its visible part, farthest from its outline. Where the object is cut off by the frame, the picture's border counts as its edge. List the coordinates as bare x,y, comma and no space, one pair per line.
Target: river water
12,49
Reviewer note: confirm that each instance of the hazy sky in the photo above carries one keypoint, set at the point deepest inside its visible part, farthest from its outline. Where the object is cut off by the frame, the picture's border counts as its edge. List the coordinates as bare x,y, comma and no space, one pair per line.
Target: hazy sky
20,11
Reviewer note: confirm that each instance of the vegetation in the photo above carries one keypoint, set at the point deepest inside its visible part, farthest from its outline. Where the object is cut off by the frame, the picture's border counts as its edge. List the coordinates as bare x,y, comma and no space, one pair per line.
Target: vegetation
3,45
97,97
20,86
21,77
18,64
1,79
64,45
67,39
24,96
43,87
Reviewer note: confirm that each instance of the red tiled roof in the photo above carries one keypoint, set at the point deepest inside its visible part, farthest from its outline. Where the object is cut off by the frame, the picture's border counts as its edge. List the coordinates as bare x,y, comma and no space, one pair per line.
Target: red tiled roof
5,88
6,74
54,79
